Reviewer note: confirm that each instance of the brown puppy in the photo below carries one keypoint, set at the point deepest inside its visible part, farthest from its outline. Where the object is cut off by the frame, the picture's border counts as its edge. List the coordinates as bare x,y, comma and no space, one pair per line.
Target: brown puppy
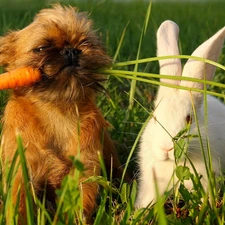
57,117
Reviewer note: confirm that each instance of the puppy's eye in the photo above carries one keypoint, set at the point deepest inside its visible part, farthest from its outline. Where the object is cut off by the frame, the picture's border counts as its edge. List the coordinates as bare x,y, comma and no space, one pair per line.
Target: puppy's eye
40,49
188,119
84,42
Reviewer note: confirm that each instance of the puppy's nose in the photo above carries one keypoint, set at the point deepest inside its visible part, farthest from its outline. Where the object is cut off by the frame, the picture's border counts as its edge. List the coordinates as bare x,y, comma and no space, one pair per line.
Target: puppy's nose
71,54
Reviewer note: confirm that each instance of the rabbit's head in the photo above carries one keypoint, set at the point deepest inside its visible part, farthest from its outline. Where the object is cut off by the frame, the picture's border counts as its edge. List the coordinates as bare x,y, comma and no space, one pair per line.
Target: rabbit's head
174,107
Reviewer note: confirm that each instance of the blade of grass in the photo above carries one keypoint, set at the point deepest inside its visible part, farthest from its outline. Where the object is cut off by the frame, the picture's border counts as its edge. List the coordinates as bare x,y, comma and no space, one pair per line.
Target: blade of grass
104,195
130,206
132,151
152,59
118,50
209,167
223,210
65,188
8,179
133,82
152,75
159,209
42,214
28,198
124,75
120,43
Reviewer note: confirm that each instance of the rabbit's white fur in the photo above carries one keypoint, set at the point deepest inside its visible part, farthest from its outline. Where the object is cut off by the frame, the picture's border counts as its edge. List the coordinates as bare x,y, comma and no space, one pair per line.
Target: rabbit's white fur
172,106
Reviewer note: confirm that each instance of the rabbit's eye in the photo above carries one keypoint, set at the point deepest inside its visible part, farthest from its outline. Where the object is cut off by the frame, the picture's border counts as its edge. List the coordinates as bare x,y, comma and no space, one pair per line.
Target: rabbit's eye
189,119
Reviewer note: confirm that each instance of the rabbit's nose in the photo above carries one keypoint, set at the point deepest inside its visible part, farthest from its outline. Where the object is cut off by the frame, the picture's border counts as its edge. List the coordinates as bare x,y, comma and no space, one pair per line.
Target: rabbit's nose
168,149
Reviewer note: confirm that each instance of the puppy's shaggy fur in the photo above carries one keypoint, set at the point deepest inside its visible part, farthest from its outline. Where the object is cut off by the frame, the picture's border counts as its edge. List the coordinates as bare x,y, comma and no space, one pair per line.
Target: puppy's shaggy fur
57,117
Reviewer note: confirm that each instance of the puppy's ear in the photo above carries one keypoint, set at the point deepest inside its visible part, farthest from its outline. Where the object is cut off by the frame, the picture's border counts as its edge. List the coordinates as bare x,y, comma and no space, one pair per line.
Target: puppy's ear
7,48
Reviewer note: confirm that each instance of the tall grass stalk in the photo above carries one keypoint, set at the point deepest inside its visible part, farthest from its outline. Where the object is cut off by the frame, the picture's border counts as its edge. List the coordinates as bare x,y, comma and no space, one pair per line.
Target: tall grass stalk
120,43
129,75
159,209
152,59
104,196
143,32
26,183
133,87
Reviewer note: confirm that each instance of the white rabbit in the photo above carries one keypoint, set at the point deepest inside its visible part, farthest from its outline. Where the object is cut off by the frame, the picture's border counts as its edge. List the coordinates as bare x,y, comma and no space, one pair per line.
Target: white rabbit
173,109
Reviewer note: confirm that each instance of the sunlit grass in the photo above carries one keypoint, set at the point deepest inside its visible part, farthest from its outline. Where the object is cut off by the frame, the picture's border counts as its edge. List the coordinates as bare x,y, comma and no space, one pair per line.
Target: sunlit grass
131,87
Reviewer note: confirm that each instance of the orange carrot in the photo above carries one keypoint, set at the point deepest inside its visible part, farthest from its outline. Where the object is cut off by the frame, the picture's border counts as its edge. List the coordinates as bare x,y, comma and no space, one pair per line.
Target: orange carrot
19,77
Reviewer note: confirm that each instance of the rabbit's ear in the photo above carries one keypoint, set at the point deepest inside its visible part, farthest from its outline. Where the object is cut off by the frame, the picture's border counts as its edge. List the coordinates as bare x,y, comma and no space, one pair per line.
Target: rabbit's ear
211,50
167,44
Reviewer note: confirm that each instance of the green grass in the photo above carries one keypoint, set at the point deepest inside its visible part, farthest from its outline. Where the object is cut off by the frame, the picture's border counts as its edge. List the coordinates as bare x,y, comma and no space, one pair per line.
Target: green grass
128,32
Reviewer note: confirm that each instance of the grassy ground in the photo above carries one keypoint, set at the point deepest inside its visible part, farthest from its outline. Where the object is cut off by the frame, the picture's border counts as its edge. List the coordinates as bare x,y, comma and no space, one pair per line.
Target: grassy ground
197,21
